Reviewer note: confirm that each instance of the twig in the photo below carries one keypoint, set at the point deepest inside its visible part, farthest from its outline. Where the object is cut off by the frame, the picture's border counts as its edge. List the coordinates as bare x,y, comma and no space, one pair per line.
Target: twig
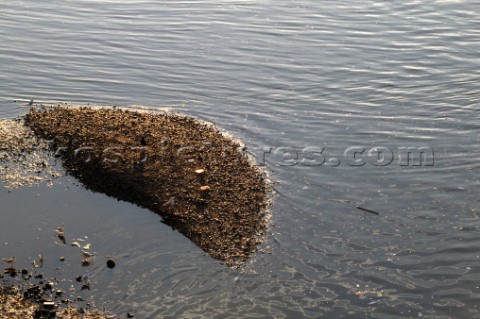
368,210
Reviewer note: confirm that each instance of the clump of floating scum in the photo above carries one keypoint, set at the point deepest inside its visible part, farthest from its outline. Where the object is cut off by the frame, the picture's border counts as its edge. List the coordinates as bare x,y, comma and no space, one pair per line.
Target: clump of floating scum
185,170
29,303
24,159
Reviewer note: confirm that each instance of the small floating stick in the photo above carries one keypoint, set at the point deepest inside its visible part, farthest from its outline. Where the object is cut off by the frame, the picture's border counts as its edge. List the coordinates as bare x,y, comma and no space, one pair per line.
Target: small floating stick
367,210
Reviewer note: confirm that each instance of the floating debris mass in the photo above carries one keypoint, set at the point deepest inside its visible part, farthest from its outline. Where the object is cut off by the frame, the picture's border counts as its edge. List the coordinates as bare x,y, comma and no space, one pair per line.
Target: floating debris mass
187,171
31,303
23,156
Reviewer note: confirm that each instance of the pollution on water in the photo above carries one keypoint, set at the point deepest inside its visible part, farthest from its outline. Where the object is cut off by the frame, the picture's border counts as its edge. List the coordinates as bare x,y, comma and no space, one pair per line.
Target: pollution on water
27,292
197,178
187,171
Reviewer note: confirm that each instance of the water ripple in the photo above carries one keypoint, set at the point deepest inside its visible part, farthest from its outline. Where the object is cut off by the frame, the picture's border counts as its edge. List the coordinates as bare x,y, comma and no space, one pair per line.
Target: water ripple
284,74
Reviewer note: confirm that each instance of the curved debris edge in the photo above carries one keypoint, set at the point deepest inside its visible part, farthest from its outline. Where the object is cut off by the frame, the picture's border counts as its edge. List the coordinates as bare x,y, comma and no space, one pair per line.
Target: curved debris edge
183,169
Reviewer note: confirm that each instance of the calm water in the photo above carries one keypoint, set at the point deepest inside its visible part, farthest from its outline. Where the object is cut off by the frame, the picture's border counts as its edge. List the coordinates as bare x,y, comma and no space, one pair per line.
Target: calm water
282,76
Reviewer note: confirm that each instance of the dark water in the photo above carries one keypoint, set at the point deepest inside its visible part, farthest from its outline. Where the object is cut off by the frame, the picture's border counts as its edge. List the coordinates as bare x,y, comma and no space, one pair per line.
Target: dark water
282,76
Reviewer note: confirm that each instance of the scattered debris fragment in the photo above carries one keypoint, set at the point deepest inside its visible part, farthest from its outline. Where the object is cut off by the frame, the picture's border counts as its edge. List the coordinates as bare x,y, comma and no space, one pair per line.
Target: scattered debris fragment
85,279
60,231
40,262
110,263
10,261
86,257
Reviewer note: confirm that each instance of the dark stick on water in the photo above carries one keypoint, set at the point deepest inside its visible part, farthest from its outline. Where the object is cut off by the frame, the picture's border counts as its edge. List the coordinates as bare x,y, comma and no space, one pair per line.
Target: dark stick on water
368,210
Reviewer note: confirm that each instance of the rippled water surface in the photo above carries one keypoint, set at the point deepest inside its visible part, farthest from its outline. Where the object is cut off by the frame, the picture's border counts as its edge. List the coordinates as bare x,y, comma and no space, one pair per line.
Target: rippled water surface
300,82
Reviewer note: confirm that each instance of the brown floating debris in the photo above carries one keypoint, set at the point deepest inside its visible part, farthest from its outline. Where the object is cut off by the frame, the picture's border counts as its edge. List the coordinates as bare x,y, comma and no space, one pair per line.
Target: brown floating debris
11,271
60,231
85,257
30,303
9,261
148,159
23,156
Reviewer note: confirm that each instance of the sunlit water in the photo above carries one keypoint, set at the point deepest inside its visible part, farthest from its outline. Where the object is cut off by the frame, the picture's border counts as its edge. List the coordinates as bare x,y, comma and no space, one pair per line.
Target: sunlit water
282,76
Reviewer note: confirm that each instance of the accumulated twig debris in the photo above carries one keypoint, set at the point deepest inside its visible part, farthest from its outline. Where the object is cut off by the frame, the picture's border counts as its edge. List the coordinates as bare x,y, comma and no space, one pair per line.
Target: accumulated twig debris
25,293
23,156
30,303
187,171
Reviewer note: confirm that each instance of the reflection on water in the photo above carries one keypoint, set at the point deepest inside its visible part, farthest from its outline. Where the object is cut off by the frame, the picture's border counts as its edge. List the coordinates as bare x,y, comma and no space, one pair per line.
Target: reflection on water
284,74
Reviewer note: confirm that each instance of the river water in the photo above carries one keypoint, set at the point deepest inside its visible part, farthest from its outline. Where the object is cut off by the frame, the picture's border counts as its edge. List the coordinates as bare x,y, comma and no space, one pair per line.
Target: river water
348,103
